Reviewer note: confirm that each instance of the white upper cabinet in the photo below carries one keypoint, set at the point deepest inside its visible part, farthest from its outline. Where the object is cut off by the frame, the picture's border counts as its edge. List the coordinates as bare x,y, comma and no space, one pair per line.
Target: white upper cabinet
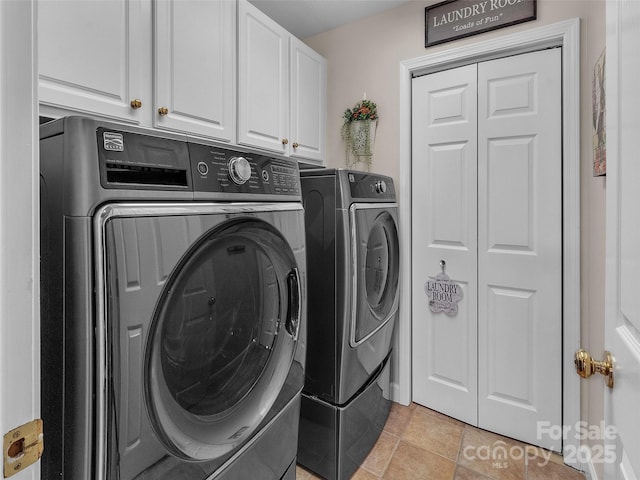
91,56
308,102
194,68
263,87
219,69
282,88
96,58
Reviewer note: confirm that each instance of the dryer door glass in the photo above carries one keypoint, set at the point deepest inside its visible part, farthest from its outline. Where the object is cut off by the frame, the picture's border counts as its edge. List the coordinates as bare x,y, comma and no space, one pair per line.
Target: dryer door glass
222,339
377,267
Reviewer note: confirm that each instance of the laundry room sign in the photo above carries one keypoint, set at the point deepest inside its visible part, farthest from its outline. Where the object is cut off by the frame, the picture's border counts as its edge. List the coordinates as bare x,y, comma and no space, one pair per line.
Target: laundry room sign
455,19
444,294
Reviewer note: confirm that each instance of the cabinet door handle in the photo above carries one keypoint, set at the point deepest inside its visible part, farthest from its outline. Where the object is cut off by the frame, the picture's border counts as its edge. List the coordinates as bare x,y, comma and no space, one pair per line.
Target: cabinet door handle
295,145
163,111
285,141
136,104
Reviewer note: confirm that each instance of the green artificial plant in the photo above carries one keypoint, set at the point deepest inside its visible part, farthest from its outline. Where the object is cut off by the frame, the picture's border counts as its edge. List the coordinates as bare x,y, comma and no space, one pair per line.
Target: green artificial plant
357,132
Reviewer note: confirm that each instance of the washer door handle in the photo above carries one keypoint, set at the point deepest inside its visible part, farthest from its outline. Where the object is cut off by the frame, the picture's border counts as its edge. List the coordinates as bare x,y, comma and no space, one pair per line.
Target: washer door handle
292,323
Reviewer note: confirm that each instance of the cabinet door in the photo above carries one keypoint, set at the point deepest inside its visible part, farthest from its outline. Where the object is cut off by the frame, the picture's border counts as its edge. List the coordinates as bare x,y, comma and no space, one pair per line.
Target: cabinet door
308,102
263,92
90,56
195,67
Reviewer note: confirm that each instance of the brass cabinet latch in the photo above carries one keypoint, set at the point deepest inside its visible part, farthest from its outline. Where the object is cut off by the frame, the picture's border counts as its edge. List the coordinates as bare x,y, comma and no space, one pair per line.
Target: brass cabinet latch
22,446
587,366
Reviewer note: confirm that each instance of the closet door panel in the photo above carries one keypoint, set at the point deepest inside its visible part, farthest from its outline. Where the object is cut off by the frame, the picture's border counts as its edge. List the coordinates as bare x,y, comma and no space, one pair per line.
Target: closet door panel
444,229
520,245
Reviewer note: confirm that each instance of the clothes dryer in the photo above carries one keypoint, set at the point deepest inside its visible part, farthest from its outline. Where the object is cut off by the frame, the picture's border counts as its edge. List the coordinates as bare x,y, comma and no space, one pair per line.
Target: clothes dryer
173,306
353,268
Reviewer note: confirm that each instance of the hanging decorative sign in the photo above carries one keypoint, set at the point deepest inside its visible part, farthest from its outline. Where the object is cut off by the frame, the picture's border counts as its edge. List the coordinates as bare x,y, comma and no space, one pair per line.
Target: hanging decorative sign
444,294
455,19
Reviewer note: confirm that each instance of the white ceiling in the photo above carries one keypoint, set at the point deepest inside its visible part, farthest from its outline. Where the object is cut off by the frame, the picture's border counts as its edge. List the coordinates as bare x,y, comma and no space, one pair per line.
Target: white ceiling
305,18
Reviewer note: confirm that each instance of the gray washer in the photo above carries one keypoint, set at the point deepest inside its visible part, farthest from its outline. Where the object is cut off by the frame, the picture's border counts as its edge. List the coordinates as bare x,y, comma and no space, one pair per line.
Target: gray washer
173,306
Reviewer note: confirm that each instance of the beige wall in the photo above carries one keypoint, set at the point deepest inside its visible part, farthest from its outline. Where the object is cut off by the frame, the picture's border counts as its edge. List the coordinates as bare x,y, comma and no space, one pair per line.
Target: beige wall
365,56
592,204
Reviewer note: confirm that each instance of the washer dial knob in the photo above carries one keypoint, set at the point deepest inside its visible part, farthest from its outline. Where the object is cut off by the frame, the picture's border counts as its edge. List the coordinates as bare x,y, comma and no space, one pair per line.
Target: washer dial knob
381,186
239,170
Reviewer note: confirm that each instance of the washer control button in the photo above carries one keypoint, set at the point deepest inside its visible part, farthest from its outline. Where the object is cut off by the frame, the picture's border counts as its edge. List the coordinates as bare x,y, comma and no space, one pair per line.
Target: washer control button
239,170
203,169
381,186
265,175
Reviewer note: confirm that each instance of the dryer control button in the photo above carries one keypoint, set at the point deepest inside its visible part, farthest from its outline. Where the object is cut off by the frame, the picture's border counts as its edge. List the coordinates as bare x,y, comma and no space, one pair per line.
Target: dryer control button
239,170
381,186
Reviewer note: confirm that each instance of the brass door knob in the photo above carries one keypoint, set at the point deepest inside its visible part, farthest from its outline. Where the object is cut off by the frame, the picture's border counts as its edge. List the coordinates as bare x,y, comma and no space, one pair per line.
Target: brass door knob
163,111
285,141
295,145
587,366
136,104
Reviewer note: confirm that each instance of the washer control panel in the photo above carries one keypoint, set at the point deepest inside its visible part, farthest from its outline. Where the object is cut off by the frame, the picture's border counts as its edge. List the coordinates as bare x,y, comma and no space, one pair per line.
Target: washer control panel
136,161
239,170
217,169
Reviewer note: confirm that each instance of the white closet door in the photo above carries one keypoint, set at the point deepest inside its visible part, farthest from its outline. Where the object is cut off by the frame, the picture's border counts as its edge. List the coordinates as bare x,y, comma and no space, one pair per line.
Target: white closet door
520,245
487,199
444,129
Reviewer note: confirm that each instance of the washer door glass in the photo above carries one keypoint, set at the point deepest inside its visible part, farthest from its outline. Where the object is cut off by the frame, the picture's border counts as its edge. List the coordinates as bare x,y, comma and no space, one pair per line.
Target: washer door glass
377,267
222,339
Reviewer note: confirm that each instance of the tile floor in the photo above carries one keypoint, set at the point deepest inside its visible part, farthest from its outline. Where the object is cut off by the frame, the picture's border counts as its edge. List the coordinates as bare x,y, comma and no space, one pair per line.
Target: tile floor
418,443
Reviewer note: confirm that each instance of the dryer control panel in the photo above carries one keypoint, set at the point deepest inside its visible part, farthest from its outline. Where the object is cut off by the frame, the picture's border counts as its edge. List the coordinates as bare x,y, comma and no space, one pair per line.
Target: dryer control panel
217,169
370,186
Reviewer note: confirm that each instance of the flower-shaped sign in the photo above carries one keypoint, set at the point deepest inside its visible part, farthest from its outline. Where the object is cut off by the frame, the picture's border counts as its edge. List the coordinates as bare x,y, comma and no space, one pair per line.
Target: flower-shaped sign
444,294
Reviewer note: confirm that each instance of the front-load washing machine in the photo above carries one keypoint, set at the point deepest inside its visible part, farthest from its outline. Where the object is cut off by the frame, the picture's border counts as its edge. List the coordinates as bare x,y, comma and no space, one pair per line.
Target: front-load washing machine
173,306
353,270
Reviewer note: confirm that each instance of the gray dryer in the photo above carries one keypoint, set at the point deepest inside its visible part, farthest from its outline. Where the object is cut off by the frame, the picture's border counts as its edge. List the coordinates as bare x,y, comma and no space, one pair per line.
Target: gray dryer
353,269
